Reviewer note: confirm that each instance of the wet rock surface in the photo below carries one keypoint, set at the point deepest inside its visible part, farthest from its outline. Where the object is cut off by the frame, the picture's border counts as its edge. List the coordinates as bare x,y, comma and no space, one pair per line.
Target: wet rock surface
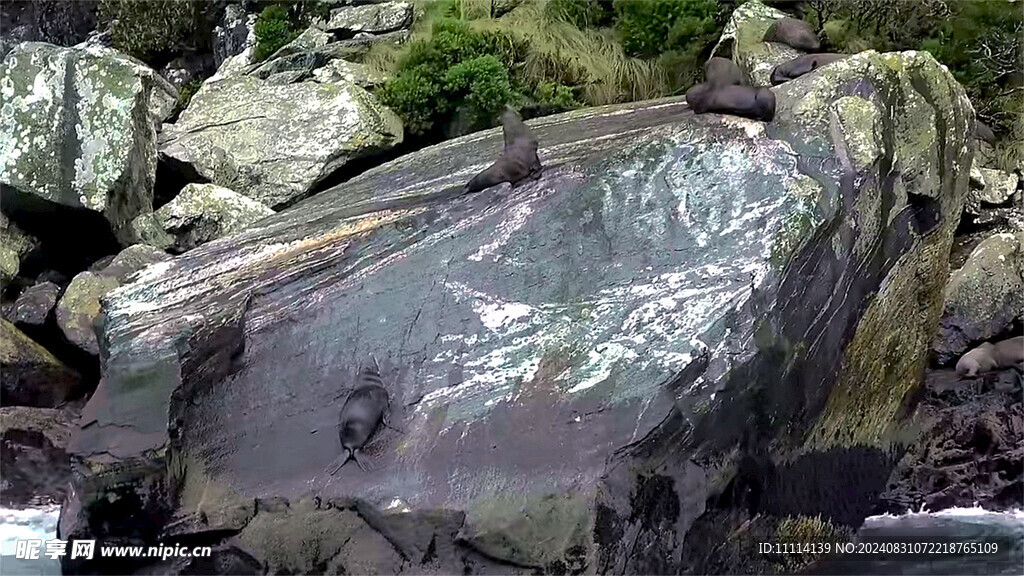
581,366
970,449
34,305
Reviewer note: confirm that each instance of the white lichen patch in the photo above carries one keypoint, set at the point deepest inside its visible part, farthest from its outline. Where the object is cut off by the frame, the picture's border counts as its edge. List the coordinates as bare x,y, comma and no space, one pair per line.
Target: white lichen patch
860,121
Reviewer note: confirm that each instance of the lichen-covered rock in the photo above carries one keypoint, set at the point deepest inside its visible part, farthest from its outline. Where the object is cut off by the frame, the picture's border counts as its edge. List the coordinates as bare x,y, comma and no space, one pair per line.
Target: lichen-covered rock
984,296
370,18
998,186
343,70
580,365
79,308
198,214
743,41
75,129
275,143
34,305
14,246
29,374
37,469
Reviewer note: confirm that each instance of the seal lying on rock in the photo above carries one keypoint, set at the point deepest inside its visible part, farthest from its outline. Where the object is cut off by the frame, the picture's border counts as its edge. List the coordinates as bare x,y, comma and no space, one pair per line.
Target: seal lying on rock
746,101
518,158
364,411
797,67
722,72
988,356
793,32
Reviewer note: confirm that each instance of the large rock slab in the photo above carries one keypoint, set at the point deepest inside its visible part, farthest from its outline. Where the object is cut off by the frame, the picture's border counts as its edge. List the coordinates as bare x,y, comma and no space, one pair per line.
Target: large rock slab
579,364
743,40
984,296
79,307
275,143
198,214
29,374
76,129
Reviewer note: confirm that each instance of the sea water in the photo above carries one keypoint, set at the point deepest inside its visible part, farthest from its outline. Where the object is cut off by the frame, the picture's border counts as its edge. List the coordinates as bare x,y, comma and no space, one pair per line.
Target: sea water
27,524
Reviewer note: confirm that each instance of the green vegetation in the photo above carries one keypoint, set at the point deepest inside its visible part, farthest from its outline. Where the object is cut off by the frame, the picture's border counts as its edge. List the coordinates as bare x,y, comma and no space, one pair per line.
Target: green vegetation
978,40
151,30
187,91
279,24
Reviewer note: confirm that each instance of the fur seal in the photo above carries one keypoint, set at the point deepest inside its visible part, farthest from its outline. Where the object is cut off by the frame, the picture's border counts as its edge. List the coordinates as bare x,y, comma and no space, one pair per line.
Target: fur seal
793,32
518,159
801,65
987,357
722,72
984,133
746,101
365,409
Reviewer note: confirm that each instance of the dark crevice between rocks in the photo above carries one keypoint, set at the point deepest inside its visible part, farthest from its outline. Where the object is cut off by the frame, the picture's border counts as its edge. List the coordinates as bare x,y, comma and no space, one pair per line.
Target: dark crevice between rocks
171,176
358,166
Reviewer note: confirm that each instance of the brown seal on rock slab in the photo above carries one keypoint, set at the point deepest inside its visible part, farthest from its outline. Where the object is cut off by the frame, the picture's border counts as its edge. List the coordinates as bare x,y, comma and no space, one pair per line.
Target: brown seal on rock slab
746,101
987,357
797,67
365,409
793,32
518,159
722,72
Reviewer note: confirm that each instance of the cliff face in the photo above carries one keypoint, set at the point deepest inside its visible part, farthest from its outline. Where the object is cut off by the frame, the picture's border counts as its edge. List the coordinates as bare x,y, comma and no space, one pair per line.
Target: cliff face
685,315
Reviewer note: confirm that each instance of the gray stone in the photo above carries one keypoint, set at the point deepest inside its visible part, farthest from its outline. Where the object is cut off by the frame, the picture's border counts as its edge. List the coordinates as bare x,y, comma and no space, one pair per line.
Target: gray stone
371,18
743,41
275,143
79,308
983,297
575,362
33,306
75,129
343,70
198,214
999,186
29,374
14,246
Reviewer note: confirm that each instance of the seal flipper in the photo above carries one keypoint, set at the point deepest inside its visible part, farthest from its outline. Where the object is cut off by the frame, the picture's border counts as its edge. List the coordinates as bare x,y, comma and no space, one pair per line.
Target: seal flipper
491,176
359,462
344,460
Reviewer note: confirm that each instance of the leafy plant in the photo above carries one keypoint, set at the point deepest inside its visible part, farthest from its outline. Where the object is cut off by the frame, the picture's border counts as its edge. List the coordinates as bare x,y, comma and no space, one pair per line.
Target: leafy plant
150,30
649,28
273,30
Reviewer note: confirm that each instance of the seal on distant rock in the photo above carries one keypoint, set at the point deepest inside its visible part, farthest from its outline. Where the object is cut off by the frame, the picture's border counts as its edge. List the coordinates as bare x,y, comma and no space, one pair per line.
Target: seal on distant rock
518,159
365,409
799,66
722,72
795,33
746,101
984,133
987,357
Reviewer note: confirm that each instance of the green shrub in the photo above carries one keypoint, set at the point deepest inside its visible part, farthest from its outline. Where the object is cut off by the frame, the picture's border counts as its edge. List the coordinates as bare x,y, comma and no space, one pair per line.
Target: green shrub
187,91
151,29
649,28
579,13
273,30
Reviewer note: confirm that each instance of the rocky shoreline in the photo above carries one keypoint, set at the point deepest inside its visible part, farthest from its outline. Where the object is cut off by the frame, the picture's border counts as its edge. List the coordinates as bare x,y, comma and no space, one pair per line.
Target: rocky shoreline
694,333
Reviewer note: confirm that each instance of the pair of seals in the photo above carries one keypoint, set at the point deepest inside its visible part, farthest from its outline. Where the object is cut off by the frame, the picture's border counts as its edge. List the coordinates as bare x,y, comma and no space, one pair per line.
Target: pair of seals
746,101
799,66
720,72
365,409
793,32
988,356
518,159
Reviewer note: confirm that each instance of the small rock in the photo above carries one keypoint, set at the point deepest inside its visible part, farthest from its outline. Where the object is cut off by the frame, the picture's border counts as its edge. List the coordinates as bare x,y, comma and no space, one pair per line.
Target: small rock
14,246
343,70
33,306
79,308
200,213
999,186
372,18
984,296
29,374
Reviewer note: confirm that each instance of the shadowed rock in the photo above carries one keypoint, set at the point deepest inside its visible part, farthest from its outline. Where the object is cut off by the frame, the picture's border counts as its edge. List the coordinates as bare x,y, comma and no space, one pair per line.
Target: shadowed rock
31,376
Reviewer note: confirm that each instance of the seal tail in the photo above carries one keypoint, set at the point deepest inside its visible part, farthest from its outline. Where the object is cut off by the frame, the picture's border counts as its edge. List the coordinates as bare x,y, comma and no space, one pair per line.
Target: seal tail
347,456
